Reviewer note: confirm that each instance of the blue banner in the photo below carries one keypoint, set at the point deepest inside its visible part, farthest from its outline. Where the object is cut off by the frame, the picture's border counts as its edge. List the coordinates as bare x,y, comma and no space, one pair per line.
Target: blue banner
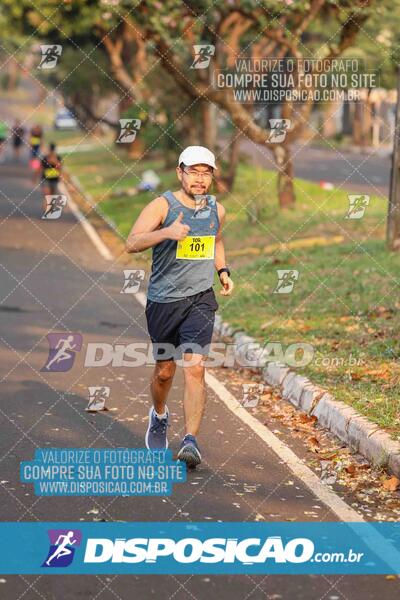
200,548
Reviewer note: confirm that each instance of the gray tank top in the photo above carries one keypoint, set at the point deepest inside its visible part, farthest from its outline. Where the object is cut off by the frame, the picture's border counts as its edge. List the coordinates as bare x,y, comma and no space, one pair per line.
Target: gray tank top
175,278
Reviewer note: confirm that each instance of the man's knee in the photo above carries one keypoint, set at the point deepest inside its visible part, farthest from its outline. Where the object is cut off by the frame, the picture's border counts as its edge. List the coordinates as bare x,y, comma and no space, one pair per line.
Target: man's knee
195,371
165,371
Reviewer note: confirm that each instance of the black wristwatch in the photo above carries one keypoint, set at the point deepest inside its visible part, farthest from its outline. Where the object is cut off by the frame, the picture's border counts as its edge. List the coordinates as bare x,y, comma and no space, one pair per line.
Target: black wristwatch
224,270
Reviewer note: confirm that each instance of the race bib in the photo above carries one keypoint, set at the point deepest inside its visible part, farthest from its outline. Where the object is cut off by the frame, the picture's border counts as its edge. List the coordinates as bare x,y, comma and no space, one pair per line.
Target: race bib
51,173
196,247
35,141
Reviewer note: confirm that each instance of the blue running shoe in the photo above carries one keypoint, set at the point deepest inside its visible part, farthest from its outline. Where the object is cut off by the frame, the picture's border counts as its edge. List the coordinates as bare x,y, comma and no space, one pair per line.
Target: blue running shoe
189,451
156,434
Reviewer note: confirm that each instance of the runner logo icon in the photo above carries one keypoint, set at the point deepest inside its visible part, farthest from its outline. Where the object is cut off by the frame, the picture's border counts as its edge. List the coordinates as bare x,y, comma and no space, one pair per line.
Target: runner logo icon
357,205
54,206
133,278
286,280
279,129
129,129
97,398
62,547
62,351
50,55
203,54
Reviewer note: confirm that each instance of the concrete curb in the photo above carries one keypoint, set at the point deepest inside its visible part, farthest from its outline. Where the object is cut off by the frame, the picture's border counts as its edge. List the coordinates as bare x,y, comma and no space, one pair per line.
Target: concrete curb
360,434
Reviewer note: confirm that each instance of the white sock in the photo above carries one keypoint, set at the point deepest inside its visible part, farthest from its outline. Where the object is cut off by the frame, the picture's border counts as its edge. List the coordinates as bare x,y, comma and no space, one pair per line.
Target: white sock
161,416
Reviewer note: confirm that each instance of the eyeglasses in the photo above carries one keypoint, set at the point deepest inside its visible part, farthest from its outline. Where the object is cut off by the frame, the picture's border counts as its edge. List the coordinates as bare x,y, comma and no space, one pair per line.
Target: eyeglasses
193,173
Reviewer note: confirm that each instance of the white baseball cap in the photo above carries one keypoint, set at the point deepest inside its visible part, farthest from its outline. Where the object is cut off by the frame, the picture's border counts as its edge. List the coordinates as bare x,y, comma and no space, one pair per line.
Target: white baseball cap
197,155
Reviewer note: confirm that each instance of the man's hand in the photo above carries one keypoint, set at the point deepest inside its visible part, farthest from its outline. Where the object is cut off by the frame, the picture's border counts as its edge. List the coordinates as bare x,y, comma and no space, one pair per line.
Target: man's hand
226,283
177,230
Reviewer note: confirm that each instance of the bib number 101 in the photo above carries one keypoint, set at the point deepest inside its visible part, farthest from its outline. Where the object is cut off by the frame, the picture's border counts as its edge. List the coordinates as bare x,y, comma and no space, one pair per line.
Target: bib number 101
197,245
196,248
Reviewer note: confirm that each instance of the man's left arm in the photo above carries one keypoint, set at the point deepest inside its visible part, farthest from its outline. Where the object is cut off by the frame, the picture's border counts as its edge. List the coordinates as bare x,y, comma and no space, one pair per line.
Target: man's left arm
219,259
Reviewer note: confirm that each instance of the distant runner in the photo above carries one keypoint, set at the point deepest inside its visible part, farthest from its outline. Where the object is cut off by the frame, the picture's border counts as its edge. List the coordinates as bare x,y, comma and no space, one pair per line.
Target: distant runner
35,142
18,133
51,172
184,228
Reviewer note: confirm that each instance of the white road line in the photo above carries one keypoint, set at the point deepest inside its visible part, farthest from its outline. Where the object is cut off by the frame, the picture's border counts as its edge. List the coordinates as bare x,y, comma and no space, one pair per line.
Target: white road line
87,226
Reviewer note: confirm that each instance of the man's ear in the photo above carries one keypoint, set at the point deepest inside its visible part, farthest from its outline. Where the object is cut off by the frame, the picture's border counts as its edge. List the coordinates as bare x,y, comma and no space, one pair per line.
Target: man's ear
179,173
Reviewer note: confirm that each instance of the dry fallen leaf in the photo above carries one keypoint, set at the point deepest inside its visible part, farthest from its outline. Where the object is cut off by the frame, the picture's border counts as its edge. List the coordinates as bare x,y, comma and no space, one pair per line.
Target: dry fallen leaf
382,373
350,469
355,376
266,325
328,455
304,418
391,484
314,443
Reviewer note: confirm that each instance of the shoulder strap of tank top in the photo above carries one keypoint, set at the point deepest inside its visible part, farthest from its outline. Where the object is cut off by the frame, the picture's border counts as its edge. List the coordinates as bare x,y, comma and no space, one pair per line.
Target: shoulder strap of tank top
211,200
172,201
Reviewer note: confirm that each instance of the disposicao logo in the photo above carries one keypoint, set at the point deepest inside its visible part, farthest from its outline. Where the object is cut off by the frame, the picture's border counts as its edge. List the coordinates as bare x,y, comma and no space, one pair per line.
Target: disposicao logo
190,550
63,347
62,547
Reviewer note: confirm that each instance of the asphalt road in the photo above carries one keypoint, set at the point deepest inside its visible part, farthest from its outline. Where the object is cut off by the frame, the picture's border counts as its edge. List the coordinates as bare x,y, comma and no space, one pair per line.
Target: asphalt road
53,280
365,173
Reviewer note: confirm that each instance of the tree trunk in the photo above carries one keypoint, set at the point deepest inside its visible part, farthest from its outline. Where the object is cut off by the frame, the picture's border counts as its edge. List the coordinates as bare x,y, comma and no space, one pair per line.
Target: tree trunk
136,148
13,75
224,180
187,130
284,163
362,122
329,125
209,125
393,220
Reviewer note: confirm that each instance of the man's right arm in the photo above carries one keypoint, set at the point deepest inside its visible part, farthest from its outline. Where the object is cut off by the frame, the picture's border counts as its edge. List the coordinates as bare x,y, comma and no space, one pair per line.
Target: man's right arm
145,233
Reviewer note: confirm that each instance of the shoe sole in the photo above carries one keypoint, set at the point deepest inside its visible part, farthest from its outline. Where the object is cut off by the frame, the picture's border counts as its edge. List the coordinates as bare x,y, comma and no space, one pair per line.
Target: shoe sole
146,437
190,455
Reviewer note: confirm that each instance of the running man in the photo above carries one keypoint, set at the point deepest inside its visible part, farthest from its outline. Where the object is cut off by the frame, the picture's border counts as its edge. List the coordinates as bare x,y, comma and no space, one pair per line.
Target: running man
185,231
62,542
